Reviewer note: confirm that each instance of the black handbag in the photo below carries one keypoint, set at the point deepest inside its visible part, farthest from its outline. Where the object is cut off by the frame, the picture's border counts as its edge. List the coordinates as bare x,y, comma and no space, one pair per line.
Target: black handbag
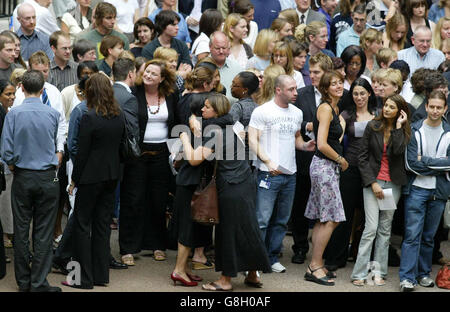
129,147
2,178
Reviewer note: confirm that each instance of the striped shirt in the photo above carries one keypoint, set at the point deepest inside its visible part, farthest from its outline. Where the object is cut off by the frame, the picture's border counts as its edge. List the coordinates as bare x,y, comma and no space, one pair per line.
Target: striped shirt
62,78
38,41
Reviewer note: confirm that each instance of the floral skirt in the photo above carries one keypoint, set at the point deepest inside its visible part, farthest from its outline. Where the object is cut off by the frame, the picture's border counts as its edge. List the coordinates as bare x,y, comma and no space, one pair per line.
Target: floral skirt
325,202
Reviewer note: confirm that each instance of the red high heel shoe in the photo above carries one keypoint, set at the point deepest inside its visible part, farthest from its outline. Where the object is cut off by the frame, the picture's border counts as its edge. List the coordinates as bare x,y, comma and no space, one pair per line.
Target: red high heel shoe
175,277
194,277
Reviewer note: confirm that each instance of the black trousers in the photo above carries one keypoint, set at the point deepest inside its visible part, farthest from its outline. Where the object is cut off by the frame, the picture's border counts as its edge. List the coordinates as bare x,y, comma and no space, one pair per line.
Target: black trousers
94,204
336,252
34,196
2,254
143,203
65,247
300,224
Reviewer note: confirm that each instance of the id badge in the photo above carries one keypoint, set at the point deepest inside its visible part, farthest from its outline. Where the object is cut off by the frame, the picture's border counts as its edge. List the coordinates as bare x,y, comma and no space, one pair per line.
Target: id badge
264,183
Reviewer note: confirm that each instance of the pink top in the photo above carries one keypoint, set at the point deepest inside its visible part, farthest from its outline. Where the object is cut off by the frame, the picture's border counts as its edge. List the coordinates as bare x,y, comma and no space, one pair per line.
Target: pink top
384,170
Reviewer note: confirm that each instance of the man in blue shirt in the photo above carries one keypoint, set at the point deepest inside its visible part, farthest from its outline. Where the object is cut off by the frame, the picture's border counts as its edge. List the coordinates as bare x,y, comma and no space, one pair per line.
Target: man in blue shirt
265,12
352,34
28,146
31,40
421,54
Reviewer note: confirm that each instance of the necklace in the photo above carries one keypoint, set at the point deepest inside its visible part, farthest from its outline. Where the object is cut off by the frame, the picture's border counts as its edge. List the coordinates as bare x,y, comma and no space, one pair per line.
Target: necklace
157,110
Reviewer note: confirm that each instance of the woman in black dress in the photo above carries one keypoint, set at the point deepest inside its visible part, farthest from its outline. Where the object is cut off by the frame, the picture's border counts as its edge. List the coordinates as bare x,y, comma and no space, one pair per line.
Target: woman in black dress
238,243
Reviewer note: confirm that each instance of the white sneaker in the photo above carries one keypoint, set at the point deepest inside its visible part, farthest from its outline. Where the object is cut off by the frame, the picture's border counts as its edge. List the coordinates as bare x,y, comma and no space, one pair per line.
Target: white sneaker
406,286
278,267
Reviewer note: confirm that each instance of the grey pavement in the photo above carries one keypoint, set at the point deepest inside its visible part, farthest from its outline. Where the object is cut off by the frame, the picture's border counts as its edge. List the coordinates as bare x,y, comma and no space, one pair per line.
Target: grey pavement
149,275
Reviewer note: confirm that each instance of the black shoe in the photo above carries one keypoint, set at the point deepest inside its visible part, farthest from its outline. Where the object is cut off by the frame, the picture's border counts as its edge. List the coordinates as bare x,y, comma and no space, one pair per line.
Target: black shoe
393,258
115,265
46,289
298,258
60,265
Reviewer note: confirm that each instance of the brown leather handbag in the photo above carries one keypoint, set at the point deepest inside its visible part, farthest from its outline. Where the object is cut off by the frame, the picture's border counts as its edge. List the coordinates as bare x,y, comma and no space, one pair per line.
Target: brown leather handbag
205,204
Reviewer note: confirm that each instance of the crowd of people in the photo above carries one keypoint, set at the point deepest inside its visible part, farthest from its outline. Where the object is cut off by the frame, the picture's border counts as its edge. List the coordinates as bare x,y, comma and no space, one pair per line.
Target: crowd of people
344,106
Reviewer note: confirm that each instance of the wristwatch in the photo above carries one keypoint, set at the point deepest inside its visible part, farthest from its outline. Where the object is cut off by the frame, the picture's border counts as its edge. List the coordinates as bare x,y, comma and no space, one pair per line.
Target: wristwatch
60,151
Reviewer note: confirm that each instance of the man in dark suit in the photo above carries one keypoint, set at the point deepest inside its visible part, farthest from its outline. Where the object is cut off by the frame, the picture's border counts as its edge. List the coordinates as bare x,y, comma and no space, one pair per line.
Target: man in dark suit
308,100
307,15
124,72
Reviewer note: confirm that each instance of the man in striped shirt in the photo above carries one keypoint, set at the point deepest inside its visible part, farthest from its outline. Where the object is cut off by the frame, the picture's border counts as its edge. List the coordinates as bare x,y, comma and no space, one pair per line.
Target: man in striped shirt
63,71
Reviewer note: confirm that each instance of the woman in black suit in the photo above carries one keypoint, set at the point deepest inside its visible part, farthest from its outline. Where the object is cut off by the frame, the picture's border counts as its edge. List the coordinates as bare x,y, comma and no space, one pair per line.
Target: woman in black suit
145,186
96,172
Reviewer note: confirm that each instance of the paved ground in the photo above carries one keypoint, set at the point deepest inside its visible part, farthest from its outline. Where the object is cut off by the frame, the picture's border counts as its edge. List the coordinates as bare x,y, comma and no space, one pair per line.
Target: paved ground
151,276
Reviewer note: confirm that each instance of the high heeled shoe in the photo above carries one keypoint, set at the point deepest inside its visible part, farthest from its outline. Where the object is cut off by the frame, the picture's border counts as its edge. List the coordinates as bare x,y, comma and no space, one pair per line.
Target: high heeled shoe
175,277
194,277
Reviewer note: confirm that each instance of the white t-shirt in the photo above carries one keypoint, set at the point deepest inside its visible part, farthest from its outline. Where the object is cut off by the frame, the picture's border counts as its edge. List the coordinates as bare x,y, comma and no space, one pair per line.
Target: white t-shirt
201,45
279,126
125,13
298,77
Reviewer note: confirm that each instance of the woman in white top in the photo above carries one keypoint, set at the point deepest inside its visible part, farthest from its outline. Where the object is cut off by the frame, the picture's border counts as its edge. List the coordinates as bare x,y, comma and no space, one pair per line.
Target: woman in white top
74,94
77,20
282,55
210,22
235,28
128,12
247,10
264,45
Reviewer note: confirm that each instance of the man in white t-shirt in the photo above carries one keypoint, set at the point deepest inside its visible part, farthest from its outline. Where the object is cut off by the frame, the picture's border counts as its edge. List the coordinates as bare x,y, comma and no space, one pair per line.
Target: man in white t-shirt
274,134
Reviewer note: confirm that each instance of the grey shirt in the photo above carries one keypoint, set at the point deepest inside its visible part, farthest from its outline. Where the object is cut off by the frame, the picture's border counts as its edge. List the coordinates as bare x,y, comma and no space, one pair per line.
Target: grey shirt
29,136
5,74
62,78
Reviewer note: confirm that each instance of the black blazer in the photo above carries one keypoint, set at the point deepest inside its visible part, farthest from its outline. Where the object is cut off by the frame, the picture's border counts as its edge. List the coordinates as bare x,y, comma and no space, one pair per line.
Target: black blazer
128,104
172,108
98,156
371,152
306,101
186,6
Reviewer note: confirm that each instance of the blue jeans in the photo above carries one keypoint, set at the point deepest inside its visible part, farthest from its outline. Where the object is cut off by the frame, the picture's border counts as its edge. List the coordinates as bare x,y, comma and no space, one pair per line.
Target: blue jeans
273,209
422,216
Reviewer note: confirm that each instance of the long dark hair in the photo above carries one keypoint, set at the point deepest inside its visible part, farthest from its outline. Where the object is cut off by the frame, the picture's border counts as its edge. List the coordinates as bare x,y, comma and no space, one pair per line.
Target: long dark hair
372,101
351,51
100,96
325,83
401,105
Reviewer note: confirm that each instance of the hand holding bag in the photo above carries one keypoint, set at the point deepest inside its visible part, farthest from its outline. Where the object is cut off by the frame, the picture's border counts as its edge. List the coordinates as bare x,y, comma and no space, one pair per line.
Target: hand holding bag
205,204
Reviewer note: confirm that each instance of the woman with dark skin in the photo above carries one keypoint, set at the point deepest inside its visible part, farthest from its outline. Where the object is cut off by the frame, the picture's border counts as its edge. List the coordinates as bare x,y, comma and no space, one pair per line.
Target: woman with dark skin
354,59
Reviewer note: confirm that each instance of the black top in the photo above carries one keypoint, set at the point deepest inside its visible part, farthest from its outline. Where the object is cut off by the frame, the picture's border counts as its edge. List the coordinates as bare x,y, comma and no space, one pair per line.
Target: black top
2,118
137,51
233,169
334,133
352,144
104,67
98,157
408,42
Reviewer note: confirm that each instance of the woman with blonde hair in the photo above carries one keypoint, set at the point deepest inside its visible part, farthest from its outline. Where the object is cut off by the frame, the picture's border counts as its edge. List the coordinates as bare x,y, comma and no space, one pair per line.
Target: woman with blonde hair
291,16
263,49
445,48
235,28
247,10
394,36
282,27
371,41
441,32
171,57
282,55
268,83
315,34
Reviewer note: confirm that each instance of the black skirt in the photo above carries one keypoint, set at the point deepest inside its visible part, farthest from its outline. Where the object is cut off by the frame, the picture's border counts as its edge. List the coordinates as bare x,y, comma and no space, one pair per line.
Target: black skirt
238,243
190,233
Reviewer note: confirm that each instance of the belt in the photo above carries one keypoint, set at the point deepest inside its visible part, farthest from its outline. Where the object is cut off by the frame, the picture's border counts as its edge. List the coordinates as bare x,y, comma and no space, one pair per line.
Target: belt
151,153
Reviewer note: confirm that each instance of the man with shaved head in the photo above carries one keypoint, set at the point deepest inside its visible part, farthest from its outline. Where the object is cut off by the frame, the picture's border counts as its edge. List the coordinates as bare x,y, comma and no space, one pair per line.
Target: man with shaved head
31,40
274,134
421,54
45,21
219,46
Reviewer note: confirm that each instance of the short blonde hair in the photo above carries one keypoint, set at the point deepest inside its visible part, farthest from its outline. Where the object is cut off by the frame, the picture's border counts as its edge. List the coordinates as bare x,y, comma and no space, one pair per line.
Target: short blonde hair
16,76
265,36
231,21
291,15
384,55
394,76
127,54
370,35
165,54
